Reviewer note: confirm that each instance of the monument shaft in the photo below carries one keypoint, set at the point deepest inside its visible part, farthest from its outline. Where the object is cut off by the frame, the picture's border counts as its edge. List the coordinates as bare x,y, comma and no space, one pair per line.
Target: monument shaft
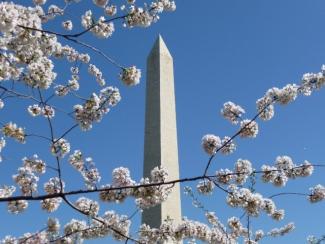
160,147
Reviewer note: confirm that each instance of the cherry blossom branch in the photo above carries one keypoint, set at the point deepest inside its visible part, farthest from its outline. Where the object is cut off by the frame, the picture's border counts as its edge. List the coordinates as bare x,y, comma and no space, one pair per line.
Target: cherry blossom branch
24,96
72,233
236,135
107,189
72,39
17,94
94,25
289,193
96,50
53,141
99,220
76,192
31,236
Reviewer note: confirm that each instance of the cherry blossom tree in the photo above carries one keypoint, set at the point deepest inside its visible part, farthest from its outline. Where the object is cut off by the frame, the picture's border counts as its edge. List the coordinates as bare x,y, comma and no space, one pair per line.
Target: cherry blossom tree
29,51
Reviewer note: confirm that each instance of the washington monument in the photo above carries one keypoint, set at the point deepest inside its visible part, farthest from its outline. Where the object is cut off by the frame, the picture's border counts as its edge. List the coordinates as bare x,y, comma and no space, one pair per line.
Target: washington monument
160,144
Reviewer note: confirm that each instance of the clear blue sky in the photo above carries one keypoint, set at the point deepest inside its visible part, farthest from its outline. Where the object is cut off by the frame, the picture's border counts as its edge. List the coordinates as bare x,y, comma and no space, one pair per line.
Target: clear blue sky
223,50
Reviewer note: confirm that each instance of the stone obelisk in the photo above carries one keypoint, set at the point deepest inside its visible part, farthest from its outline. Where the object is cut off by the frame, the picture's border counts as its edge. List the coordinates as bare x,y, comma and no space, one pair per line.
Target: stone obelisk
160,146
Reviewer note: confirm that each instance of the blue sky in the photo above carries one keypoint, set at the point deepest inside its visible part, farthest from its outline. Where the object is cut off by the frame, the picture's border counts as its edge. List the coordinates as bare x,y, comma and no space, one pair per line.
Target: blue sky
223,50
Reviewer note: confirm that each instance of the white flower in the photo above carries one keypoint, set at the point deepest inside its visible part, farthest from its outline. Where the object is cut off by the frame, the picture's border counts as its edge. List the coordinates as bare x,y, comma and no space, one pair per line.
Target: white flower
280,179
284,162
54,11
111,10
6,191
205,187
93,70
34,110
269,206
74,227
224,176
248,128
265,108
269,173
243,168
53,186
40,73
121,177
101,28
87,206
139,17
8,17
96,107
312,81
48,112
60,147
278,214
232,112
61,90
51,204
282,231
211,143
317,193
18,206
259,234
12,130
228,145
130,76
35,164
53,225
67,25
87,20
91,177
76,160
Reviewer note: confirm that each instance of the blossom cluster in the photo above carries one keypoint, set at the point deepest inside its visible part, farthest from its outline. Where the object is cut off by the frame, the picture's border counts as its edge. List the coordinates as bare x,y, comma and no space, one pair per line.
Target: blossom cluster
242,170
86,167
26,178
73,84
284,170
232,112
144,17
87,206
96,106
145,196
12,130
187,229
93,70
60,147
53,186
109,223
282,231
68,25
289,93
47,111
100,28
18,206
252,203
130,76
313,81
76,231
212,143
317,193
6,191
